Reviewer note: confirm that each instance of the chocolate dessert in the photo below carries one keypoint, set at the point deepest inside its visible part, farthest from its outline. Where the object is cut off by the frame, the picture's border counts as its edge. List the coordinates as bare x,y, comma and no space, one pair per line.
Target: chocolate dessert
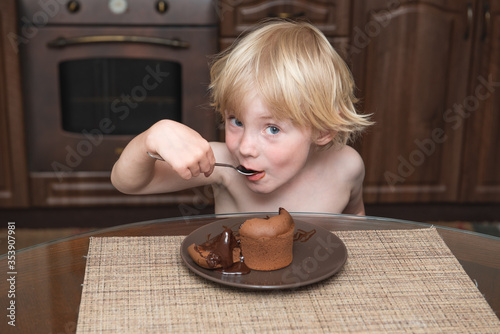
267,244
261,244
219,252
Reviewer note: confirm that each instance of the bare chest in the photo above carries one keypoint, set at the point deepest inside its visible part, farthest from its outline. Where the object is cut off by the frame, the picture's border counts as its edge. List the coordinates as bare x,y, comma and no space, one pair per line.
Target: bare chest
326,196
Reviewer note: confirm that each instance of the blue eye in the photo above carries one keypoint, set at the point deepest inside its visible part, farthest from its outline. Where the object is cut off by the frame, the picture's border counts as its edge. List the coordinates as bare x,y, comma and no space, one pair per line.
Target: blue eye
236,122
272,130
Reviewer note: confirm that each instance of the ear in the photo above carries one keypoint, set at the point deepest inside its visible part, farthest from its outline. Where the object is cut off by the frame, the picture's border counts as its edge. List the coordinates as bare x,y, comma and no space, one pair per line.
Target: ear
324,138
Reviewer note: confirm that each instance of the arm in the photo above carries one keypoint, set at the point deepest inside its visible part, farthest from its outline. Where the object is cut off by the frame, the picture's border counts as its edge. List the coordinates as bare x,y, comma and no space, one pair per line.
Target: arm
356,175
356,205
187,155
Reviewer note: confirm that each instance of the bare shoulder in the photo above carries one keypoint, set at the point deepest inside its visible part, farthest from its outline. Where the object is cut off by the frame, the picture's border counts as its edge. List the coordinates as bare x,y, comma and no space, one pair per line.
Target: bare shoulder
348,163
349,170
221,152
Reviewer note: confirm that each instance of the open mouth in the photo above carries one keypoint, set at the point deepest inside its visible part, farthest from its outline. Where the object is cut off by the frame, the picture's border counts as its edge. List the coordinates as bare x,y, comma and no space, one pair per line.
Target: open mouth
252,174
247,171
257,176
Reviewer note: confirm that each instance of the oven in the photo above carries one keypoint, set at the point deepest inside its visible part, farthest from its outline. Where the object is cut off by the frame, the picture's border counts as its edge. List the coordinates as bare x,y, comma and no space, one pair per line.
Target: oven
96,73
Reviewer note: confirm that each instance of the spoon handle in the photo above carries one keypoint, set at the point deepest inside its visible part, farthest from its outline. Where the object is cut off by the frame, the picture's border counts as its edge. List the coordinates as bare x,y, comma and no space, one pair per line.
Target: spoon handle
157,157
220,164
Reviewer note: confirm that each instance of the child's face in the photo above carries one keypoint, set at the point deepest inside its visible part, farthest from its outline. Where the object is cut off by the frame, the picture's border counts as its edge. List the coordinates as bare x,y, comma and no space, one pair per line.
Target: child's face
258,141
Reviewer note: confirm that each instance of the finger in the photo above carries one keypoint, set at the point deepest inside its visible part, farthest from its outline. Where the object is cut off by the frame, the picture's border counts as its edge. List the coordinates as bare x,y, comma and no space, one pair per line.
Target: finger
207,174
206,167
195,170
211,163
183,171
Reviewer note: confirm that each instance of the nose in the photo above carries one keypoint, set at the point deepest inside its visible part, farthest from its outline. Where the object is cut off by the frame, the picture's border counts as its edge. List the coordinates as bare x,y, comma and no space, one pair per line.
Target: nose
248,145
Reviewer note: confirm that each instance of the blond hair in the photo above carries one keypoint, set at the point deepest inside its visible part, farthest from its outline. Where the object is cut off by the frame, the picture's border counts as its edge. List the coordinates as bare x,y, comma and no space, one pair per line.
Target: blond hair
296,72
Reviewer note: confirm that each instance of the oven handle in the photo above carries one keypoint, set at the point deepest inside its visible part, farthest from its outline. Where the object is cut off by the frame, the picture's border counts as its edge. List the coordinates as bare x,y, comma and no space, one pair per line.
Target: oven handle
62,42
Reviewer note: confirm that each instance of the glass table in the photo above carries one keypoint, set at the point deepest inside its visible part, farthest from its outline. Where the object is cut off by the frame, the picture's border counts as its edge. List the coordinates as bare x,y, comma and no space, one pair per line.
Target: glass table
45,281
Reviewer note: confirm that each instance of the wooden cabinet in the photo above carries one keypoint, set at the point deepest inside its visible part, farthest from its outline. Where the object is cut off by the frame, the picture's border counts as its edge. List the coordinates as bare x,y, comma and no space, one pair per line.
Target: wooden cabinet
13,169
413,62
481,160
332,17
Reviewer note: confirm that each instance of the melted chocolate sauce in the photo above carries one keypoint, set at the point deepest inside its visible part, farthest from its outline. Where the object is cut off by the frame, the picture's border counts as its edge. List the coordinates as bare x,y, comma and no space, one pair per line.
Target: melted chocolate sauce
238,268
221,249
221,253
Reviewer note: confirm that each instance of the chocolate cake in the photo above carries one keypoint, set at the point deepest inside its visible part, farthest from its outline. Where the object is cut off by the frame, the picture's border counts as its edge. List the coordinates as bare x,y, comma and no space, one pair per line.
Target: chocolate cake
267,243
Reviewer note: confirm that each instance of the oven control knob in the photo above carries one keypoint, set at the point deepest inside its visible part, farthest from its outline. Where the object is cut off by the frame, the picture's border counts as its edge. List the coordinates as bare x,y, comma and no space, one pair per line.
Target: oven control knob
73,6
118,6
162,6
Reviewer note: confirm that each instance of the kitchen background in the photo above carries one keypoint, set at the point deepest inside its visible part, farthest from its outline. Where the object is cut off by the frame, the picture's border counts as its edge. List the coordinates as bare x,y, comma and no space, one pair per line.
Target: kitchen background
79,78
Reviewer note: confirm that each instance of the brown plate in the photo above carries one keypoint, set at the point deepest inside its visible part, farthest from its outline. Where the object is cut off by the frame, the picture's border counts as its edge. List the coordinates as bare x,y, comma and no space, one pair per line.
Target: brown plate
314,259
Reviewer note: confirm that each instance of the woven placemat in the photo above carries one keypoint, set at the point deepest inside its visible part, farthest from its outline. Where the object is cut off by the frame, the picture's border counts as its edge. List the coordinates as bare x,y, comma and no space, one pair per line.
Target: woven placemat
393,281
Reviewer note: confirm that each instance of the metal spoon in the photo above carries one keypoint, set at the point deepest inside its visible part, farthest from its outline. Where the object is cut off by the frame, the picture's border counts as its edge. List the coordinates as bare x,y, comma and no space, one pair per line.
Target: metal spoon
240,169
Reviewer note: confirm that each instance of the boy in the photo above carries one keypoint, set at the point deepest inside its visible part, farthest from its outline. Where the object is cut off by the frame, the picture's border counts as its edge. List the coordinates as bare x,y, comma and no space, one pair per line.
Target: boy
287,99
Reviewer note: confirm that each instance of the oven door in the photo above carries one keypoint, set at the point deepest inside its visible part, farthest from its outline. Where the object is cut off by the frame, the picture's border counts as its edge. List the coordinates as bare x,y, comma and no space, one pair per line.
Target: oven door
89,90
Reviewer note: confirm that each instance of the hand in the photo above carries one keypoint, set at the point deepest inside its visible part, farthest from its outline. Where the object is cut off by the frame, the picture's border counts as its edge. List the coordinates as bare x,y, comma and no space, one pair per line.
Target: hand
184,149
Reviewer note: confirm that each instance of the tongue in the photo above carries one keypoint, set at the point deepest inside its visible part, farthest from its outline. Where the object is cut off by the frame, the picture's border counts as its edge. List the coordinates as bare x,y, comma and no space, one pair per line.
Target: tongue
256,177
